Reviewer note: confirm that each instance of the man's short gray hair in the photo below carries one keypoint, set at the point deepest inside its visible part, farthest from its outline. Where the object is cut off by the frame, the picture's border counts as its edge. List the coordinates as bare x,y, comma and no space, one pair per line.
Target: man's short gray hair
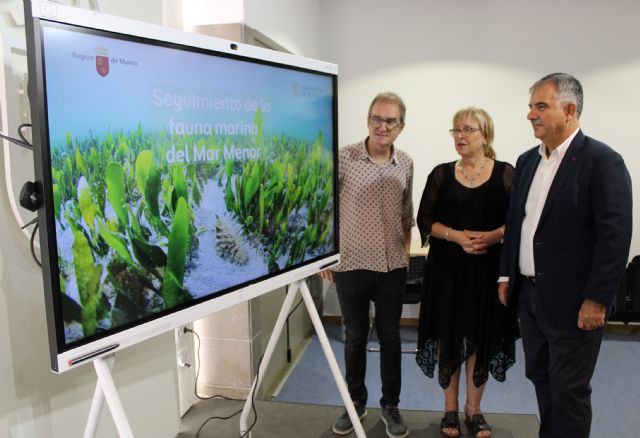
569,89
391,98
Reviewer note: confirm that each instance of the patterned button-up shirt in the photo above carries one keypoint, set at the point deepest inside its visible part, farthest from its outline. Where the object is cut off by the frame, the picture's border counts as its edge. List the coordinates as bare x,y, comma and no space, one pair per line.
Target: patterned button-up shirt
376,208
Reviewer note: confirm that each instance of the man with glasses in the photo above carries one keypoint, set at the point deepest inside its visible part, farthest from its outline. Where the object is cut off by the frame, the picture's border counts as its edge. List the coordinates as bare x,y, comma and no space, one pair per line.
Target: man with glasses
566,243
376,217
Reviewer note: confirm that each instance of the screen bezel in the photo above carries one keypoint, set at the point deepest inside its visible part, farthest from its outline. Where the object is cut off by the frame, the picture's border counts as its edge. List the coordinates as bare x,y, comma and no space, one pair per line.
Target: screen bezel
65,356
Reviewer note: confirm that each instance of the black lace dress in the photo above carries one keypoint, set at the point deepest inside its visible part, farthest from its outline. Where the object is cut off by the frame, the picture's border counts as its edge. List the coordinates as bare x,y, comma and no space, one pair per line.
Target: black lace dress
460,312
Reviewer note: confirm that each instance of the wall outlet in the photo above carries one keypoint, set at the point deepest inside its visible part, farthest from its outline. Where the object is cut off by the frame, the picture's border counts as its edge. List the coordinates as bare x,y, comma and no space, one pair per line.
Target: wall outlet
184,359
186,366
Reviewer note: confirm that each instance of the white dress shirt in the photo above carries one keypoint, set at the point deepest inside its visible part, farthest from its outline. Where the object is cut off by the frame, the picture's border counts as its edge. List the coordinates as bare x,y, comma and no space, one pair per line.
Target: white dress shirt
545,173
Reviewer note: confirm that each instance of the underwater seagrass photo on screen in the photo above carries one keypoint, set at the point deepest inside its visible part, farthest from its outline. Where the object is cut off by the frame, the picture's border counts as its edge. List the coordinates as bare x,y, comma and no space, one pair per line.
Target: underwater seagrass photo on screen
178,175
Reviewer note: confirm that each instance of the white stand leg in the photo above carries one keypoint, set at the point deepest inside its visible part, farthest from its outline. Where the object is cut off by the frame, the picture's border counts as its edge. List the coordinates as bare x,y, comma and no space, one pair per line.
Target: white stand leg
324,342
106,389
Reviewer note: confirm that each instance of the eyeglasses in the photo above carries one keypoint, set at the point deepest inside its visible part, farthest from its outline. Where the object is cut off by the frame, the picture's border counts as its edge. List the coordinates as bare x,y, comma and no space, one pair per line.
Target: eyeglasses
464,131
377,122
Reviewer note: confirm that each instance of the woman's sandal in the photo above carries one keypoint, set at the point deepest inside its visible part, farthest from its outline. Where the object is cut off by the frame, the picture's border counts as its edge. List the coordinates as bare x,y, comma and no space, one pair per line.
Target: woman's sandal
476,424
450,421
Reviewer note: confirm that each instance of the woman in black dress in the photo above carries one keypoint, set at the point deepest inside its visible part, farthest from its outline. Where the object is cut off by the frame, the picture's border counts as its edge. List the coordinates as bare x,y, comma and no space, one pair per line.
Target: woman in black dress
461,217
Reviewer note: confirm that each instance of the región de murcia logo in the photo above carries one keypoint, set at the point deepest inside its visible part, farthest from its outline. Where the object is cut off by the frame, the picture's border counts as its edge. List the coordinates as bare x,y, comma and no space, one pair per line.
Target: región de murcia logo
102,61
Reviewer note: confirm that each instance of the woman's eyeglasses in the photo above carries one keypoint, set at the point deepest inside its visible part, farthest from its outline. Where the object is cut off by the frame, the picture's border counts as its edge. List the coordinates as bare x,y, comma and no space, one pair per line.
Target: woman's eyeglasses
464,131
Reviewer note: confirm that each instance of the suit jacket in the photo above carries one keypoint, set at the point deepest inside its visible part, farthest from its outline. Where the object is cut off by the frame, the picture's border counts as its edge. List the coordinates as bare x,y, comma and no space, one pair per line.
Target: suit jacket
581,244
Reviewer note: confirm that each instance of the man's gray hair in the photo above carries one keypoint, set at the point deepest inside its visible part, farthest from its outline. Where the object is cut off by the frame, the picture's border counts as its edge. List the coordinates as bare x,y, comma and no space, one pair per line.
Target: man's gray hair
391,98
569,89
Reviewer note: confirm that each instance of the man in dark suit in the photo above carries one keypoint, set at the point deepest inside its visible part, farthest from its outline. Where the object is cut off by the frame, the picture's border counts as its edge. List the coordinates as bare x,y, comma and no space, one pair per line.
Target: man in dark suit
566,244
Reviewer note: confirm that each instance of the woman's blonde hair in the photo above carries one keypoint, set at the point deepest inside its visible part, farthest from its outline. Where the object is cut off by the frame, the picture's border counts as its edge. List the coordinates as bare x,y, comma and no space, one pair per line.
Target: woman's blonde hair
484,122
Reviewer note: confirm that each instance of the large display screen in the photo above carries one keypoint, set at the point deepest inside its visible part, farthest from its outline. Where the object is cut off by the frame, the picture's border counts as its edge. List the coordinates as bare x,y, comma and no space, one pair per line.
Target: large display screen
174,174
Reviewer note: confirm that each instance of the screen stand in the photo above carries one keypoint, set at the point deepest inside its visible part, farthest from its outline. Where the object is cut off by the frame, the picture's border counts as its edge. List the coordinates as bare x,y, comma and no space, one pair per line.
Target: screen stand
106,389
301,286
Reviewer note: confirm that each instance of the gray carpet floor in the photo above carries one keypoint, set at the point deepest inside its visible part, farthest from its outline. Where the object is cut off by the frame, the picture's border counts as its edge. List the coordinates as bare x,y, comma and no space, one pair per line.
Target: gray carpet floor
615,397
298,420
309,402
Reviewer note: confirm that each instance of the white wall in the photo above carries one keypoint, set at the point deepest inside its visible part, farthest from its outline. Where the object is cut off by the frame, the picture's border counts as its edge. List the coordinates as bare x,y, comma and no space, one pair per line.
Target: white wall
294,24
442,55
34,401
37,403
438,55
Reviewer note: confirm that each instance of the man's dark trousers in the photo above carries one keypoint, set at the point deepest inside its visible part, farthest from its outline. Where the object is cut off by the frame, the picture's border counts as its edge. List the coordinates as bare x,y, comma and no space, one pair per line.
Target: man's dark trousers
560,363
355,291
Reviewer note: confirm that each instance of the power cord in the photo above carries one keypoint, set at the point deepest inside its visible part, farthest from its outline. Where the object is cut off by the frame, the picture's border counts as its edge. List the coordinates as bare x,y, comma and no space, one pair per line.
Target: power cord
295,308
253,405
24,143
33,236
253,408
27,145
188,330
21,134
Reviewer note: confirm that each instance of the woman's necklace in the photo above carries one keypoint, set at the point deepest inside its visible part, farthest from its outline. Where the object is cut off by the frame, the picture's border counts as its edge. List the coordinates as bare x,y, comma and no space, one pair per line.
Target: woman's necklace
471,178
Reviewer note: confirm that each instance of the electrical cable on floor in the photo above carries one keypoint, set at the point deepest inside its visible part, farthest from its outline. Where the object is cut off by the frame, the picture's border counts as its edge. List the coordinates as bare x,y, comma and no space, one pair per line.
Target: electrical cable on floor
216,418
253,398
253,408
